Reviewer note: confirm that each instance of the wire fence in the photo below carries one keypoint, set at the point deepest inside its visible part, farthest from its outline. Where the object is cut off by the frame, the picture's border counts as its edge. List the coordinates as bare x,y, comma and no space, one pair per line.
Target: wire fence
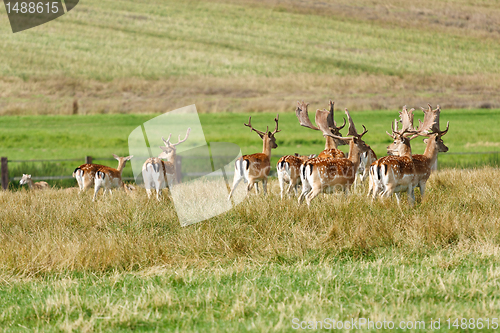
46,169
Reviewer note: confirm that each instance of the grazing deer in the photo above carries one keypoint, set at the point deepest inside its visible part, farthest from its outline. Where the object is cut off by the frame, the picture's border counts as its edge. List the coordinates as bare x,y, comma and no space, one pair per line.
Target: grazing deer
425,163
33,186
256,167
288,168
326,124
109,178
394,174
321,174
156,172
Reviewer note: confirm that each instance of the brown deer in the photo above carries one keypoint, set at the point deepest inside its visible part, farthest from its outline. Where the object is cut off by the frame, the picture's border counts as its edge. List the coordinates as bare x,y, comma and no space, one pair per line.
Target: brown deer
288,168
33,186
326,124
425,163
394,174
322,174
256,167
156,172
85,175
109,178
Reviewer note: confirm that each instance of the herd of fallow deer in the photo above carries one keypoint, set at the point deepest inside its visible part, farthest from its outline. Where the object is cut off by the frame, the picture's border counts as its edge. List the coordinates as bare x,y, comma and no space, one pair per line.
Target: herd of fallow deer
400,171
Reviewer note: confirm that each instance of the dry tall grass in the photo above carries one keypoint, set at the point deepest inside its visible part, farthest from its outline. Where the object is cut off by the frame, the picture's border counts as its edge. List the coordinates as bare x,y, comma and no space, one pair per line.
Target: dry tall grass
53,231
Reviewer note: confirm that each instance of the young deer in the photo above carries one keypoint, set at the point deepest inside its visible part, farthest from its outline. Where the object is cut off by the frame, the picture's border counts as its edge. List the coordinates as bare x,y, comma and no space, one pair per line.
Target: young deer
394,174
109,178
256,167
85,175
156,172
321,174
288,168
33,186
326,124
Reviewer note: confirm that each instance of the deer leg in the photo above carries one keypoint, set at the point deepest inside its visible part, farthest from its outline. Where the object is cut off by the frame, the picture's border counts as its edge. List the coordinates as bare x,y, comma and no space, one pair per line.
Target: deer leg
421,184
249,186
282,183
264,186
411,195
96,189
311,195
236,180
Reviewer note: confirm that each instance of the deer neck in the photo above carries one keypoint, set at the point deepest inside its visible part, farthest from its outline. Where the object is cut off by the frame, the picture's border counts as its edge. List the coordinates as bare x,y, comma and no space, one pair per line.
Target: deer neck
330,143
30,183
431,150
406,150
266,146
354,154
121,165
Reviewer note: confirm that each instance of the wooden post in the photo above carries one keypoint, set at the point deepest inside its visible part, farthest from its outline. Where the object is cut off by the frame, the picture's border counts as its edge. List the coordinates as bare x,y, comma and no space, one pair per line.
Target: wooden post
5,173
178,169
88,159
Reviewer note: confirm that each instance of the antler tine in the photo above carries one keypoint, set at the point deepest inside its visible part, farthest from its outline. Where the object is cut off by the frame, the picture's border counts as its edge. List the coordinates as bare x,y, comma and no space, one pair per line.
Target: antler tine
251,127
352,129
303,116
167,142
276,120
364,132
181,141
446,130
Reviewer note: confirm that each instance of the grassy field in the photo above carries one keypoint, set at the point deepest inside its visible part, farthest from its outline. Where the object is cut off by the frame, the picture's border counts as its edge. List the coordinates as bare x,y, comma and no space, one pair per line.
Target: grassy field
100,136
125,263
149,56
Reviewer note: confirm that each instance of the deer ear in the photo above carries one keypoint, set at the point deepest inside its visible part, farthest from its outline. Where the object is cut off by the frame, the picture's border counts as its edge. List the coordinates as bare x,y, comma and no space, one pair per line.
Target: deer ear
29,176
164,148
116,156
129,157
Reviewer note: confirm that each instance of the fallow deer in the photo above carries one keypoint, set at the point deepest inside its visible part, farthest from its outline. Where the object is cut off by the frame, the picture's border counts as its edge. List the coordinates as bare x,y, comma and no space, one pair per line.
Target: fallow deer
85,175
256,167
394,174
109,178
156,172
425,163
321,174
288,168
326,124
33,186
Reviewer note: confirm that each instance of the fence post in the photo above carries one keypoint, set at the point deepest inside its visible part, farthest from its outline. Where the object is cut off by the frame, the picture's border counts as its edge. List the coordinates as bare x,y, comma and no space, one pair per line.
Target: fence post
5,173
88,159
178,169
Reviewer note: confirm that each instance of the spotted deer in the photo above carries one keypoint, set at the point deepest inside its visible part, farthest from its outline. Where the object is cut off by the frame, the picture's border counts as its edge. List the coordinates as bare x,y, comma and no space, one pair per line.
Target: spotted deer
156,172
288,168
109,178
85,175
324,123
323,174
425,163
394,174
256,167
26,179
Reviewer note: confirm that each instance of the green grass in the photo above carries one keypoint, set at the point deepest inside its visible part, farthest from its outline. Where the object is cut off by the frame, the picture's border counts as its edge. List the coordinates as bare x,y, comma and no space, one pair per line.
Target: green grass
100,136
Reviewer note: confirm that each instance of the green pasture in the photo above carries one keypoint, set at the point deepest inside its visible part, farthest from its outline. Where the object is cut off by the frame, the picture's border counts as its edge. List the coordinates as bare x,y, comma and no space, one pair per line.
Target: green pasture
100,136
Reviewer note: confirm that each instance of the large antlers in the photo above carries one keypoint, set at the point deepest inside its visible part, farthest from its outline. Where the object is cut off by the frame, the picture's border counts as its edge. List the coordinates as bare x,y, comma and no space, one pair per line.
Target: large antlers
303,115
325,121
431,119
267,128
352,130
168,143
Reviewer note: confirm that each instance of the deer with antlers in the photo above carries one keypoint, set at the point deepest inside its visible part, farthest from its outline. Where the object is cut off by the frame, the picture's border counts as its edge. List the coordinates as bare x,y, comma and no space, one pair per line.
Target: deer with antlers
426,163
288,168
322,174
395,174
256,167
326,124
109,178
156,172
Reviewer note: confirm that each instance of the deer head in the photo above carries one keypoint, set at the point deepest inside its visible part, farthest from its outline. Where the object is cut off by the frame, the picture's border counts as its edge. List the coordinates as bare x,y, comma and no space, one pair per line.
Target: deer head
437,137
169,150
